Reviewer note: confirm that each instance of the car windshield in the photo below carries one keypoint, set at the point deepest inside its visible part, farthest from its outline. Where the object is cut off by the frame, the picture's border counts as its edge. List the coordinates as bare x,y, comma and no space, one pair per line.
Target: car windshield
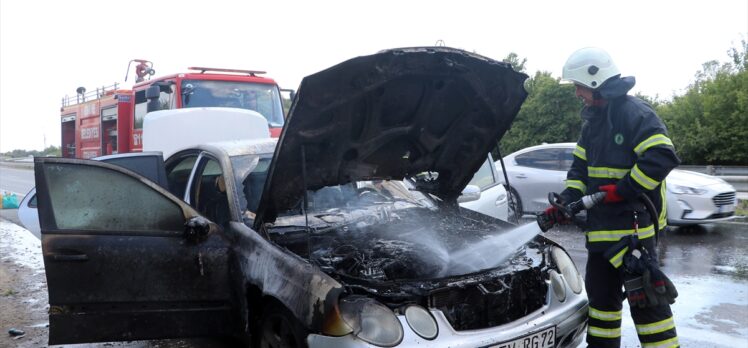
250,173
263,98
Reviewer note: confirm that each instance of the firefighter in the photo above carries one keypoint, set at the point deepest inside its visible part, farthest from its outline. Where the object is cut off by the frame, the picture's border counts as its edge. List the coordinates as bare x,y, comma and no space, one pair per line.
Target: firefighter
625,151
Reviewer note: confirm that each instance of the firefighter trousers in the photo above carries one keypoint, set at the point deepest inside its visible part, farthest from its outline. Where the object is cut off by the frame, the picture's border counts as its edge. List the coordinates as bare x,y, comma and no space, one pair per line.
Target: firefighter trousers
654,325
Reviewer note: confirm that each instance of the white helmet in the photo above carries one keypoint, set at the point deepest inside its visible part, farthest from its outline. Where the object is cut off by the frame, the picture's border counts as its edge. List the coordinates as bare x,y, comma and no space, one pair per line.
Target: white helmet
589,66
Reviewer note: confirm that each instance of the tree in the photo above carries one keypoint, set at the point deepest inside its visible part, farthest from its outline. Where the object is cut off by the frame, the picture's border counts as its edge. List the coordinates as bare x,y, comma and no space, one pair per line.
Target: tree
513,60
709,123
549,114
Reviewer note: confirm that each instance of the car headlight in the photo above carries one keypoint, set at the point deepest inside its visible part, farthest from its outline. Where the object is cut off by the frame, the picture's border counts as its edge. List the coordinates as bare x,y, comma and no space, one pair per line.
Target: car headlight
568,269
685,190
557,284
371,321
421,321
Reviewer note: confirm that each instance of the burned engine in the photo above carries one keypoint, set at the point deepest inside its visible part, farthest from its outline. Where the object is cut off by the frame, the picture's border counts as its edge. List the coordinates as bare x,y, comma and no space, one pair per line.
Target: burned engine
448,262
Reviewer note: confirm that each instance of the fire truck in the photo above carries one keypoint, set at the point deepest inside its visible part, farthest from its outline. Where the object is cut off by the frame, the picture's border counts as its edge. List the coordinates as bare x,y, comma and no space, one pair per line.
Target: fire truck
109,120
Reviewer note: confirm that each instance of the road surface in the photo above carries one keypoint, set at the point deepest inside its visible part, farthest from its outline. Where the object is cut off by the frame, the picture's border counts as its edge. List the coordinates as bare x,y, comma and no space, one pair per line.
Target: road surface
16,180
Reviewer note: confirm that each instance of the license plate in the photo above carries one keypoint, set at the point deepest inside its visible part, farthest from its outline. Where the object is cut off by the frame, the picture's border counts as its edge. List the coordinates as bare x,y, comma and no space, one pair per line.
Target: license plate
540,339
726,208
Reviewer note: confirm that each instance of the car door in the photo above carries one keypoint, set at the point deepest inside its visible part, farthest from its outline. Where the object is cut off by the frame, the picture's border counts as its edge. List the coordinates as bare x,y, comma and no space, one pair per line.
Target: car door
149,164
120,263
493,200
535,174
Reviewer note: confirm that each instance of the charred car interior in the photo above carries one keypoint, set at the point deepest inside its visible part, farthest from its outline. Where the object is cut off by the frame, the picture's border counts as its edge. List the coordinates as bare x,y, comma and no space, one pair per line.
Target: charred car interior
345,232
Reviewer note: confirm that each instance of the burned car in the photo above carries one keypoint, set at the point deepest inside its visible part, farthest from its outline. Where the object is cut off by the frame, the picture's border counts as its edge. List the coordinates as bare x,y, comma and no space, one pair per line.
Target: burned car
346,233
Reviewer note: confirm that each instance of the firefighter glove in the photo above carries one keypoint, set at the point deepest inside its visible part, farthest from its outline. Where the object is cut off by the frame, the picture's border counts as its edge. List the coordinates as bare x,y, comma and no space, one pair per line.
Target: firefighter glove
658,288
612,195
551,217
634,285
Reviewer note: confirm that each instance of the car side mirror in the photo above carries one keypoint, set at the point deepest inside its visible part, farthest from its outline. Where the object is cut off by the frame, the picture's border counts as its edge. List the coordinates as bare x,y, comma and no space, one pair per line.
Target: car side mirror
152,94
469,194
197,229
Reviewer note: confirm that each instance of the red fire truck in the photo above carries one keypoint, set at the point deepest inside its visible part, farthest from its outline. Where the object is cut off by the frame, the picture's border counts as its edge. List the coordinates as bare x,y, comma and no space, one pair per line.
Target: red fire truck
110,120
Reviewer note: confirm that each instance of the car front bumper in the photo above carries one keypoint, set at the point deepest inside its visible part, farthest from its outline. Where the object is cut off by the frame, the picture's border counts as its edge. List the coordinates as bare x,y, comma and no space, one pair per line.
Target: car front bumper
569,317
686,209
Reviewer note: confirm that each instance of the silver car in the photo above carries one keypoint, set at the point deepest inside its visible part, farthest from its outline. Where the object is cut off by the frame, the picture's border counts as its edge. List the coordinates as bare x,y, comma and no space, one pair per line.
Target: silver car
692,198
348,233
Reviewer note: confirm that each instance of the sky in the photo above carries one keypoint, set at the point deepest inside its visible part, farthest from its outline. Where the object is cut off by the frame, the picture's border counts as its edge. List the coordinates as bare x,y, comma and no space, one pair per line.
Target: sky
49,48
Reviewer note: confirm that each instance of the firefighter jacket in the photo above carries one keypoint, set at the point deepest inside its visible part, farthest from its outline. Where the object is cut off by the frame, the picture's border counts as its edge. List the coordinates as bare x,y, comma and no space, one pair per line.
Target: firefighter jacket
626,144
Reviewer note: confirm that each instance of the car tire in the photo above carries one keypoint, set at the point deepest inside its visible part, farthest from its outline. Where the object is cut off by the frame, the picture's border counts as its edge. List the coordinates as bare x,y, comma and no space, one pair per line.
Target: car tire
280,329
514,205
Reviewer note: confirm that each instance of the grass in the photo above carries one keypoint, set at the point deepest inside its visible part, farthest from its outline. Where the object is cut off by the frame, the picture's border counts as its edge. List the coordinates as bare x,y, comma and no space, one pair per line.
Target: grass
742,208
9,292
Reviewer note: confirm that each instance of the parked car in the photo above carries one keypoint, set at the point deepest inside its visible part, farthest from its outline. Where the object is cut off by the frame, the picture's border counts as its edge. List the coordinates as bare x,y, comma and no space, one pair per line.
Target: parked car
692,198
493,198
345,234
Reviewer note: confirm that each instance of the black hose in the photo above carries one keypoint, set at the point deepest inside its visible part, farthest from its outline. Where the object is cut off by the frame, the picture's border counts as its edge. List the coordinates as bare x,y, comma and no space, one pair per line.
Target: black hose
652,213
509,195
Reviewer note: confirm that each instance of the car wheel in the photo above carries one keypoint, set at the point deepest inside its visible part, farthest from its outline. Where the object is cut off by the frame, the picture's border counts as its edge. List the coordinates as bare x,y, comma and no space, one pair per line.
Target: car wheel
514,205
280,329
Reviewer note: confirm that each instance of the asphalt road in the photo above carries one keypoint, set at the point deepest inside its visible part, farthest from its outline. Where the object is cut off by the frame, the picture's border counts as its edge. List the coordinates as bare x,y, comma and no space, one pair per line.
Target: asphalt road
709,266
16,180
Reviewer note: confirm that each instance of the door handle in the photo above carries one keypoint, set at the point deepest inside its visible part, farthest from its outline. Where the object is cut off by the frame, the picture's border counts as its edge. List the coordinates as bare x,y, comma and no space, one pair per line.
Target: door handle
520,176
69,257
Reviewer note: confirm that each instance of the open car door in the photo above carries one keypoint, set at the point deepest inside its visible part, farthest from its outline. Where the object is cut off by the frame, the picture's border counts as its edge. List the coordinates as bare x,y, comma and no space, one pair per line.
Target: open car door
125,259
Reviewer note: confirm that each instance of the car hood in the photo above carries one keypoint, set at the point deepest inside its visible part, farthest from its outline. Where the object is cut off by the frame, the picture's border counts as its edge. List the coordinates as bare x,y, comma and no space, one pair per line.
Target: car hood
390,115
692,179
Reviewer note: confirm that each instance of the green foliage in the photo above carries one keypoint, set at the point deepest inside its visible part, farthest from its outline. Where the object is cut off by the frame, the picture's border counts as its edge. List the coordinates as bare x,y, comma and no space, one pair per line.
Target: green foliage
709,123
550,114
517,65
49,151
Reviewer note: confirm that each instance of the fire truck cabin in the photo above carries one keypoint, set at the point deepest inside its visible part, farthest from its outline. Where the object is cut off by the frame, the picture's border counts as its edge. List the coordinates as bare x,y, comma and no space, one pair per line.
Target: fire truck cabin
109,121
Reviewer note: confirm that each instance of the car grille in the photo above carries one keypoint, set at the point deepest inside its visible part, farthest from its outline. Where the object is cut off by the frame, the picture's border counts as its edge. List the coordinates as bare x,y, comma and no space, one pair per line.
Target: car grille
721,215
491,303
727,198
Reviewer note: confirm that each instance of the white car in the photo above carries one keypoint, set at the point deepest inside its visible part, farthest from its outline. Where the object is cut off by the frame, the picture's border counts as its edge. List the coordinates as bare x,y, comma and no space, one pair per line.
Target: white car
692,198
493,199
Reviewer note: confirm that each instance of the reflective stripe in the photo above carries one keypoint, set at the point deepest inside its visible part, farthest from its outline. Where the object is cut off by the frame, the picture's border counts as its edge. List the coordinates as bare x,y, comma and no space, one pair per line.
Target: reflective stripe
643,180
577,184
616,235
617,260
655,328
673,342
663,214
604,316
604,333
657,139
580,152
607,173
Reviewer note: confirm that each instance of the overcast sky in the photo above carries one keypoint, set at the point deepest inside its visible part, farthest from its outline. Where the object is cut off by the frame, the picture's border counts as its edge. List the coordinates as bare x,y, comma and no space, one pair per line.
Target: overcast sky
49,48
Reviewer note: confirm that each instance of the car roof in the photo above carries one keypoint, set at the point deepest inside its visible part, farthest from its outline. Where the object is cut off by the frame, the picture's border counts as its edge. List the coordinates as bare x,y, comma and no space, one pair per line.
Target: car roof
233,148
542,146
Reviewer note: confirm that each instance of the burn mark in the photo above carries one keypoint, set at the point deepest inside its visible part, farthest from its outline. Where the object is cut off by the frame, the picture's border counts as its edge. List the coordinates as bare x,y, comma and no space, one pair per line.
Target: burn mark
404,256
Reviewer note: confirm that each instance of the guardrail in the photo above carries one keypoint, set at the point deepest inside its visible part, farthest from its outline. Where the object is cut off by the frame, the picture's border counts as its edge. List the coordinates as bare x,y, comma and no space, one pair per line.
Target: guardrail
717,170
737,176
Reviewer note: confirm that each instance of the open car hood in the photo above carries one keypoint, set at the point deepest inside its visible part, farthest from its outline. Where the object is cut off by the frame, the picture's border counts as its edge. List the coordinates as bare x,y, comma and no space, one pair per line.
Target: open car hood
391,115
